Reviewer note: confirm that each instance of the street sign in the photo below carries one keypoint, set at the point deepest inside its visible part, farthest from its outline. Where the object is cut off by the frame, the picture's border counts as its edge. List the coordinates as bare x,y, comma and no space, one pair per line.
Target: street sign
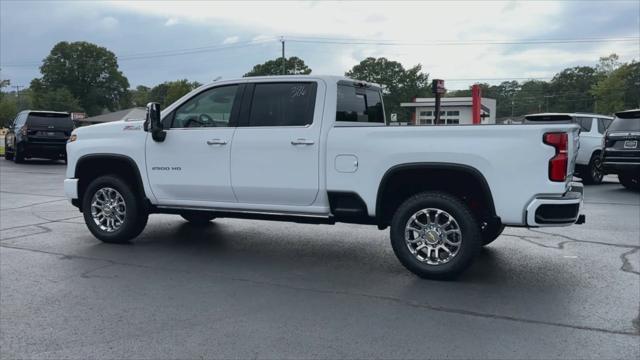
437,86
394,117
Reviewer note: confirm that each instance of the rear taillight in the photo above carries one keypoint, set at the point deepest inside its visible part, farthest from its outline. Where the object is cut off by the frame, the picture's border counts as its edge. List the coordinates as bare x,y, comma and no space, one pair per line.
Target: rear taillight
559,163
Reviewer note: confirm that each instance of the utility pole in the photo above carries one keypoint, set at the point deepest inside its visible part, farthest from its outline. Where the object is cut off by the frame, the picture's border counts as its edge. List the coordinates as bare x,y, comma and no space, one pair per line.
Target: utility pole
284,61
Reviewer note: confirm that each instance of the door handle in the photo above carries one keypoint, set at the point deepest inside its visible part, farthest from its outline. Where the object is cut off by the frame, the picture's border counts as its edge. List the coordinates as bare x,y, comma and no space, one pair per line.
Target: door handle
216,142
302,142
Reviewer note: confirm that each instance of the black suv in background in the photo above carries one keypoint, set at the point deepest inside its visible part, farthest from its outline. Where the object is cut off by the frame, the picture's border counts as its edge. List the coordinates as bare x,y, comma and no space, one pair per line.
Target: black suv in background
621,153
41,134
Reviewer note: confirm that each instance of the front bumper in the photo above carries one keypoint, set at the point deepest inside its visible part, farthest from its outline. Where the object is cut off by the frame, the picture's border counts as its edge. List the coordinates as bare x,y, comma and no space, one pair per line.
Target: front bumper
71,188
557,210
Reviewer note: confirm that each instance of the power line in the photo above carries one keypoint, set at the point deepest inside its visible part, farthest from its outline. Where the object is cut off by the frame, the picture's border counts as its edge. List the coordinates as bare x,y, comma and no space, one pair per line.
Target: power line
168,53
339,41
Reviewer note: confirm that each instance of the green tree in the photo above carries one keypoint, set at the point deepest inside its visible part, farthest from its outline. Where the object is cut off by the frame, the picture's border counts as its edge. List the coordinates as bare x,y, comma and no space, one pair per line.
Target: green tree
293,66
569,90
88,72
140,95
179,88
620,90
8,110
399,84
169,91
54,99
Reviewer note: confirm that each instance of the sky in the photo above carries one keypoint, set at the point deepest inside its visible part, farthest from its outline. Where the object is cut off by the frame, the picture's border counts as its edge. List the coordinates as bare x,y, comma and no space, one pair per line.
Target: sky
462,42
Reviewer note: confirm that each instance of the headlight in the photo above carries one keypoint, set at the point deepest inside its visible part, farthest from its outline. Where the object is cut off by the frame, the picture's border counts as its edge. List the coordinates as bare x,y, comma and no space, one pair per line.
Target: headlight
72,138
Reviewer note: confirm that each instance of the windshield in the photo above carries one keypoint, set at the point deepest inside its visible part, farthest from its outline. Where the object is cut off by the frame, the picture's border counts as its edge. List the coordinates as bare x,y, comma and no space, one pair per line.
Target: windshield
61,121
631,124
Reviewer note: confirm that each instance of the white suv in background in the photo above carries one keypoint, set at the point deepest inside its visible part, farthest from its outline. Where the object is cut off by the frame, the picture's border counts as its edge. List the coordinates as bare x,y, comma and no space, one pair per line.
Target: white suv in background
592,129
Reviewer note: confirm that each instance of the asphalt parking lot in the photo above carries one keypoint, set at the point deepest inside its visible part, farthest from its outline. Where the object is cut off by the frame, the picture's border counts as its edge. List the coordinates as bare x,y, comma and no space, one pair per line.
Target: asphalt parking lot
256,289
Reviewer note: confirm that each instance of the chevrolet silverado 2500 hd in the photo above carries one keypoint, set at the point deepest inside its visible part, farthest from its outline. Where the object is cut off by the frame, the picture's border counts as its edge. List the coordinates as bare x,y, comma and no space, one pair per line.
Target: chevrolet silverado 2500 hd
316,149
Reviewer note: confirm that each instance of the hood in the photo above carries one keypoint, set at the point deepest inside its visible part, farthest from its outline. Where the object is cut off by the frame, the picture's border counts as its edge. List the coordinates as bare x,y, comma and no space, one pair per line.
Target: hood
113,128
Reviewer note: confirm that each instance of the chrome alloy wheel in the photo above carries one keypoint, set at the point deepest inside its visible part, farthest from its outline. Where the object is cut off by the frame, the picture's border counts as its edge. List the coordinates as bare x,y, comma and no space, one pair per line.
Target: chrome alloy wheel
433,236
108,209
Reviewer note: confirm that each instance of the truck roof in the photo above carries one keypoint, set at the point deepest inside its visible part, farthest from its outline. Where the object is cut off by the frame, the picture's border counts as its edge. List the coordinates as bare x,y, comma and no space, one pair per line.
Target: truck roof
551,114
326,78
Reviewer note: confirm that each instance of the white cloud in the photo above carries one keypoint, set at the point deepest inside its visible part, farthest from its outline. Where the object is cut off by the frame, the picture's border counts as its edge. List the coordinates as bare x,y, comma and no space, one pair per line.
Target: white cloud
406,22
231,40
171,21
108,23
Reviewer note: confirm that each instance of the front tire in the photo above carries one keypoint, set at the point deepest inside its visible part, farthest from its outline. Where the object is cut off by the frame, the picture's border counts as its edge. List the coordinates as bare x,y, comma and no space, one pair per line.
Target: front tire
630,181
198,219
593,172
112,211
435,235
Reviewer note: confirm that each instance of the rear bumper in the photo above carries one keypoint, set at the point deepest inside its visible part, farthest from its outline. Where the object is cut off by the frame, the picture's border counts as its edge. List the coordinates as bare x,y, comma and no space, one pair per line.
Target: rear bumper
44,148
616,167
557,210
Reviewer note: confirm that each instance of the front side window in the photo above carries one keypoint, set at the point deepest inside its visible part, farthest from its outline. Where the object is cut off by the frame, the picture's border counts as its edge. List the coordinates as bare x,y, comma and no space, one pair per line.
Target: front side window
283,104
359,105
210,108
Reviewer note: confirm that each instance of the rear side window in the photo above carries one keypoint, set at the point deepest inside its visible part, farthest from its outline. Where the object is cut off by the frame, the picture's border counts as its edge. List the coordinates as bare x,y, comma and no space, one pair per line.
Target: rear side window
603,125
49,120
585,123
359,105
283,104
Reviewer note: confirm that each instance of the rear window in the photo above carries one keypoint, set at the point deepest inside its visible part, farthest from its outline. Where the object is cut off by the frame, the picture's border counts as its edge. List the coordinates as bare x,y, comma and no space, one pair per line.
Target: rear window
630,124
61,121
283,104
356,104
585,123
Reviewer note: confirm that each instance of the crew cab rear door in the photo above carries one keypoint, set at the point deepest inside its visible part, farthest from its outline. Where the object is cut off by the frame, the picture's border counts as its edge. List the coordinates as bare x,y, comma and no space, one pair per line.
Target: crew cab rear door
275,153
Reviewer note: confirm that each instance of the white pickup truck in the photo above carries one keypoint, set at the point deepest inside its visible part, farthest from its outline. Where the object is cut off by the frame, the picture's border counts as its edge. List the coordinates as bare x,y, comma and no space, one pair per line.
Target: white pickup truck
316,149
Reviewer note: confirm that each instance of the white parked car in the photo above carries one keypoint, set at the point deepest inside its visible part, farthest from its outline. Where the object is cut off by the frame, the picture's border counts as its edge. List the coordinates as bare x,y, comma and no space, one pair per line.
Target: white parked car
315,149
592,130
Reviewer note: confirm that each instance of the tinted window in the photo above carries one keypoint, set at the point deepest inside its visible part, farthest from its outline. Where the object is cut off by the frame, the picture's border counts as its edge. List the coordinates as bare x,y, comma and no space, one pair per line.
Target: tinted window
210,108
359,105
585,123
46,120
625,124
603,124
283,104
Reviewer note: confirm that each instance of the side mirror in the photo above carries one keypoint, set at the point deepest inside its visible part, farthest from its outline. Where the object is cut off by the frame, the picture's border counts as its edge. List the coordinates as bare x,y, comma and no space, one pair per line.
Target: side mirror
153,123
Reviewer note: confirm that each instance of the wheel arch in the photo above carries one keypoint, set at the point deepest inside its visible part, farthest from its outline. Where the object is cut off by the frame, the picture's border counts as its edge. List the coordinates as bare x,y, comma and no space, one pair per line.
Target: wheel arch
91,166
444,176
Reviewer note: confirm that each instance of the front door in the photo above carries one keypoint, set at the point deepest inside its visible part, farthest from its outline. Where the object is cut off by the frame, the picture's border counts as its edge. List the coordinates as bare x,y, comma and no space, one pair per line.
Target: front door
191,166
275,154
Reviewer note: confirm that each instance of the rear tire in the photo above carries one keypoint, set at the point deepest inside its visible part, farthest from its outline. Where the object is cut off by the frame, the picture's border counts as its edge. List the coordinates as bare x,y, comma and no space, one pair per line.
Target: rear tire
447,240
593,173
112,211
7,154
198,219
18,156
630,181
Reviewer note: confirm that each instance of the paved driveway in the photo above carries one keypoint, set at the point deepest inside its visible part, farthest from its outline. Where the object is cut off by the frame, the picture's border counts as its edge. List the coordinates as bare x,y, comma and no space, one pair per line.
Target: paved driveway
256,289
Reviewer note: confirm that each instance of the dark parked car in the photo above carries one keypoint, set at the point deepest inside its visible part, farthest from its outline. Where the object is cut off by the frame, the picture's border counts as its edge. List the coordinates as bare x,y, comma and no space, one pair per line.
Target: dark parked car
621,153
41,134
